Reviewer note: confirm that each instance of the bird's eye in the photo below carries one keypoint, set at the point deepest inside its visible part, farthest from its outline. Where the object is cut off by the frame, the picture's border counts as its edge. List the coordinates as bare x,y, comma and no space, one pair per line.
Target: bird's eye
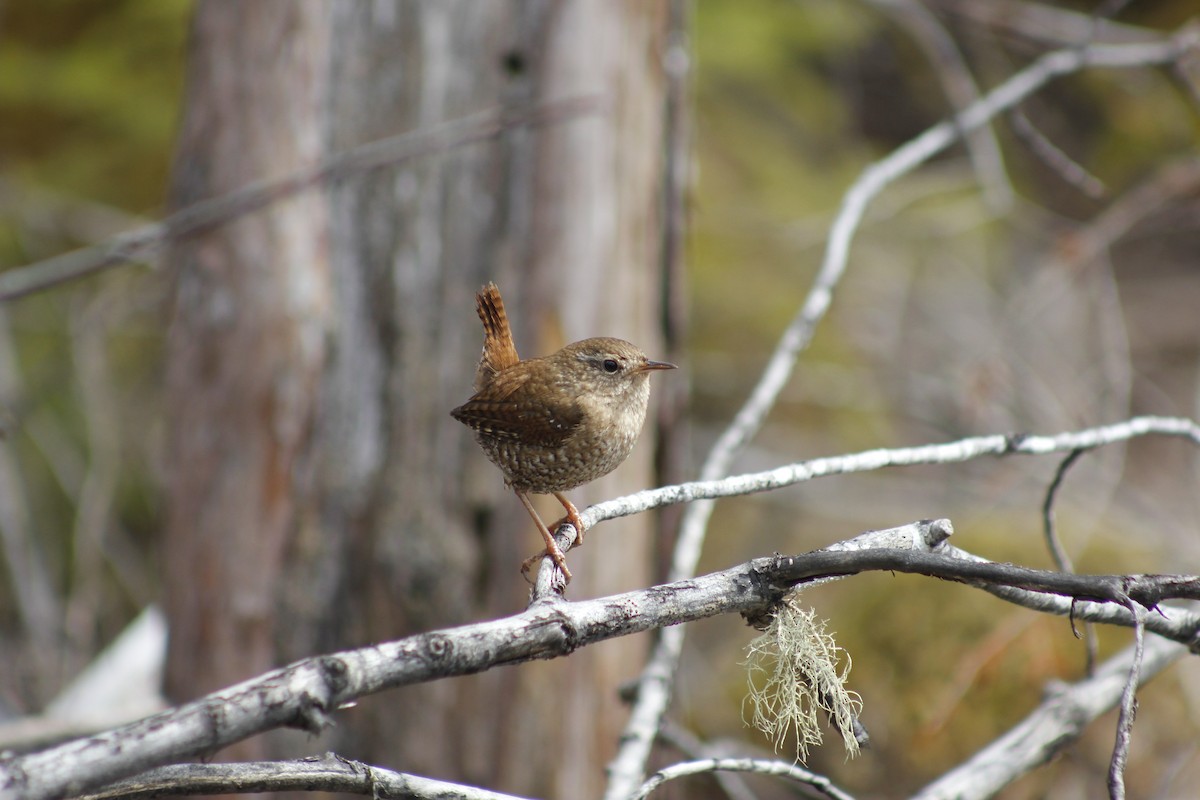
610,365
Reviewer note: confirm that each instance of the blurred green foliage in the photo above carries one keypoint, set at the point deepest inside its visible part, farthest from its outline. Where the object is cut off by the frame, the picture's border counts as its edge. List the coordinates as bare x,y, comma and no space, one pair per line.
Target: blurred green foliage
89,95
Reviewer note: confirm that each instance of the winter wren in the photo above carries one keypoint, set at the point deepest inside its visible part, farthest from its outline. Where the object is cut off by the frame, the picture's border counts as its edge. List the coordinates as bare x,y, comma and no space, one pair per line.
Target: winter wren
556,422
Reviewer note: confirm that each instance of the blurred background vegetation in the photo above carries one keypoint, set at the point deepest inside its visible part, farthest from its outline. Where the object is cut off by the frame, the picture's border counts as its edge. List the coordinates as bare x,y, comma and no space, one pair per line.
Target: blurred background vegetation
89,95
1043,302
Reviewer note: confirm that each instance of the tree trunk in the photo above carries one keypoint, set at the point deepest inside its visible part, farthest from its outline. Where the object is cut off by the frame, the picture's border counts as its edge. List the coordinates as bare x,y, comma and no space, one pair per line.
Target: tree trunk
321,495
245,351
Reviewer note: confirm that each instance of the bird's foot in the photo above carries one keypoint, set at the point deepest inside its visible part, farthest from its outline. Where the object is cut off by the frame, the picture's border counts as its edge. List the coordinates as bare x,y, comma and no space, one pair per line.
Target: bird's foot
560,561
576,523
571,517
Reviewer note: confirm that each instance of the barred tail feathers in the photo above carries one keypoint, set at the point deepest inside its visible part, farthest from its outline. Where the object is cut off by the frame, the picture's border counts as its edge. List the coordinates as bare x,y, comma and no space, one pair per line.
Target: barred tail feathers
499,350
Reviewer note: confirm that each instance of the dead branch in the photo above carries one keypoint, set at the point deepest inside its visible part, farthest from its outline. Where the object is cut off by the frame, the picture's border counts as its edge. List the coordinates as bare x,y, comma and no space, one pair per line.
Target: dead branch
328,773
143,243
308,693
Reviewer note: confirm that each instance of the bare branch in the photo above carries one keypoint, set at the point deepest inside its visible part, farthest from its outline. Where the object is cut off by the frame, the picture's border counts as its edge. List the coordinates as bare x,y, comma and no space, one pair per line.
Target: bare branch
1178,624
143,243
1053,543
97,492
949,453
1043,23
1059,553
1163,189
1053,156
961,90
1116,767
694,749
306,693
1055,724
33,598
761,766
1147,590
328,773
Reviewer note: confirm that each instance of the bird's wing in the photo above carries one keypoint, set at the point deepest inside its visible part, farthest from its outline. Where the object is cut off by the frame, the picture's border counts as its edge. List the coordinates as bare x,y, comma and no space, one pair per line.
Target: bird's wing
507,413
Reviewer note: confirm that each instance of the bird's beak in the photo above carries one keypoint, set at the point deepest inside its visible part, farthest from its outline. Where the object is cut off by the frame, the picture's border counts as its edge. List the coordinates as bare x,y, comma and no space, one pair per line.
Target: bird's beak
648,365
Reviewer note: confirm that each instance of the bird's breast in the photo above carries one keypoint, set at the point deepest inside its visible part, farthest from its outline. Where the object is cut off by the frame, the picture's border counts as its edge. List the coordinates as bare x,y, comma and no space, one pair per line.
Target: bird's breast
597,446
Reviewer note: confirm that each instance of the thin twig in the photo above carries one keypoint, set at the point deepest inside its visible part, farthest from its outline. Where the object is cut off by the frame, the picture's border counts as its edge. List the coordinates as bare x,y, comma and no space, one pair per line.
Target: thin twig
1101,14
1061,559
143,243
94,503
759,766
1116,766
949,453
31,594
698,492
1041,23
1059,553
960,89
1164,189
690,746
1176,624
1054,157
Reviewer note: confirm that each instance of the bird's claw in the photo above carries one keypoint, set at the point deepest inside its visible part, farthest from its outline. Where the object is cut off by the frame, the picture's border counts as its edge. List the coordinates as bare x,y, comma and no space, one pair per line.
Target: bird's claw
556,555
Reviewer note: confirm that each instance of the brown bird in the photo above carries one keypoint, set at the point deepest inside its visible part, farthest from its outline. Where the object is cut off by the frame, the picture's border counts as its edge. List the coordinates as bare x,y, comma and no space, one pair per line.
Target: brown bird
556,422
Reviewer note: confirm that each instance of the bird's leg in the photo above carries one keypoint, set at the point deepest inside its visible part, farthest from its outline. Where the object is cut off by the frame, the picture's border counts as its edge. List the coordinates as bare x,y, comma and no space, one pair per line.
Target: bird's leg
551,550
571,517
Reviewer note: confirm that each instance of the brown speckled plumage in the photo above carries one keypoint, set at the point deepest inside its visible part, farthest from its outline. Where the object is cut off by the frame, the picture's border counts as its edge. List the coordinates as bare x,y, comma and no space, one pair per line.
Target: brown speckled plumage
556,422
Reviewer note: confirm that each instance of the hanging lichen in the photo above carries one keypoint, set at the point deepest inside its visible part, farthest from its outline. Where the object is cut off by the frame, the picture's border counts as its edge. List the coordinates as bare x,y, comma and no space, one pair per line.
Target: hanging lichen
793,677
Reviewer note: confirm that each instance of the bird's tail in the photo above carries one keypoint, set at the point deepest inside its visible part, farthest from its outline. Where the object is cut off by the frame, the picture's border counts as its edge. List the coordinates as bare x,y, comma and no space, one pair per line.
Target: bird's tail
499,351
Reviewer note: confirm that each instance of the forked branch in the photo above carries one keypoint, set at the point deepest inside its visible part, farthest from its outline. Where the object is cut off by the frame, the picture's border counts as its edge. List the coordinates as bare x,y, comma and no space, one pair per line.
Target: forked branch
308,693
